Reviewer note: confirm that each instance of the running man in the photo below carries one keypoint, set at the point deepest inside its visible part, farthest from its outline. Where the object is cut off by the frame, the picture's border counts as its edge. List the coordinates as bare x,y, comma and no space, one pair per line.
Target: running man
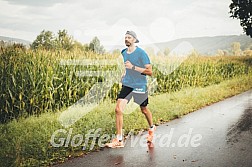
134,84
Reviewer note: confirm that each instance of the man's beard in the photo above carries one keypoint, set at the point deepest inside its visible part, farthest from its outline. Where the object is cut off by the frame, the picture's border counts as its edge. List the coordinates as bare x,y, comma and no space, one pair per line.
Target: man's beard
127,43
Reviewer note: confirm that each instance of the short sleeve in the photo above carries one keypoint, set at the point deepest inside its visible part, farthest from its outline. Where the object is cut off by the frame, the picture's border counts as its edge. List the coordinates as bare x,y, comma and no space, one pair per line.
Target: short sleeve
145,58
122,52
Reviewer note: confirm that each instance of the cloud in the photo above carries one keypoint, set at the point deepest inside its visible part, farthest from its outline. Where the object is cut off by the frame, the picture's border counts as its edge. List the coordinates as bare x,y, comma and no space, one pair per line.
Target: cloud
155,21
34,2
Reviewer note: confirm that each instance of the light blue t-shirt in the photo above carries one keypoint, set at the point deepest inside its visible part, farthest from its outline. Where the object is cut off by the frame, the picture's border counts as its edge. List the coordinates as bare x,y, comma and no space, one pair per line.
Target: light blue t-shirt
133,78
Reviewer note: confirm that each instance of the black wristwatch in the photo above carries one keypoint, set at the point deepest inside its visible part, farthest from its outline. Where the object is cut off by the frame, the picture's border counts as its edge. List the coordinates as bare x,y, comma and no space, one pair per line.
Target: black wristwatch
133,67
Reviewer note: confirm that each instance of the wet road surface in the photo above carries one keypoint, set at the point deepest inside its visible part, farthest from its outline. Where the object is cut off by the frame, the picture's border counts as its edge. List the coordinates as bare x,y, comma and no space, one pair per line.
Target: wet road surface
216,135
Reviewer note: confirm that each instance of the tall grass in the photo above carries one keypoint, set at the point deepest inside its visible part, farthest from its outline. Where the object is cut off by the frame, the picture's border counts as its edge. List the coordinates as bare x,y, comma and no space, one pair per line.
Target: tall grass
201,71
33,82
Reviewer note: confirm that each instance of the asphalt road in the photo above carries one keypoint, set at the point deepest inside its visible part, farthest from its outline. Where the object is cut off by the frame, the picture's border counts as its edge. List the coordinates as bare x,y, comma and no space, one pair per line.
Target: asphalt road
216,135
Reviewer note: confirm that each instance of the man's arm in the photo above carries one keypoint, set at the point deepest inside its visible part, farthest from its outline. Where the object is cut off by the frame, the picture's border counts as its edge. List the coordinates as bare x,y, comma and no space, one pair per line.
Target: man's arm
147,70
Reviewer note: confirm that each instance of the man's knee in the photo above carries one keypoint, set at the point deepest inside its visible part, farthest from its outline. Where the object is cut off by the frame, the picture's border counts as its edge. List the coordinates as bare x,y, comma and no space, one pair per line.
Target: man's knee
118,110
144,109
120,105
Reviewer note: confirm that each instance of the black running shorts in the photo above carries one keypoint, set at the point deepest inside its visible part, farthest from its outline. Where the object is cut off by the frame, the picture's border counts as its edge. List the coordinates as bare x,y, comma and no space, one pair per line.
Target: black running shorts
139,98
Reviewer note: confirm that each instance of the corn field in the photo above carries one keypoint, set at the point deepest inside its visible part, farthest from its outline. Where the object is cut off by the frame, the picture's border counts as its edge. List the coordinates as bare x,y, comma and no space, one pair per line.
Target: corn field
33,82
202,71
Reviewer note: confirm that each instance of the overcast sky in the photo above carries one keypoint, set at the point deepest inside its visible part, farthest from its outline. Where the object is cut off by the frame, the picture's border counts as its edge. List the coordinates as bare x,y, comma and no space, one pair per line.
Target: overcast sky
152,20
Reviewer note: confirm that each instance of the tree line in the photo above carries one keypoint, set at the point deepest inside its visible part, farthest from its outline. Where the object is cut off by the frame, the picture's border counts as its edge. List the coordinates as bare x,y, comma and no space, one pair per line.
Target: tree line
47,40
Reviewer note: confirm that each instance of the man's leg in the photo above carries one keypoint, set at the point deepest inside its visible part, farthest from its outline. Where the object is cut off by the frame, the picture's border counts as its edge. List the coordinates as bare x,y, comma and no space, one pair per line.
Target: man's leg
152,128
143,101
120,106
122,99
147,114
118,141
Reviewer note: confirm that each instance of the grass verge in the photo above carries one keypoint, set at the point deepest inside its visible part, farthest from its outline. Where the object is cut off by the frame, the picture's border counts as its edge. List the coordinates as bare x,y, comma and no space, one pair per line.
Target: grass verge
26,142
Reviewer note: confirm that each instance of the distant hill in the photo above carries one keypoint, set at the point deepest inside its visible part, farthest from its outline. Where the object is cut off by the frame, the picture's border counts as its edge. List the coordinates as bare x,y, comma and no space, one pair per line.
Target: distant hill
204,45
210,45
14,40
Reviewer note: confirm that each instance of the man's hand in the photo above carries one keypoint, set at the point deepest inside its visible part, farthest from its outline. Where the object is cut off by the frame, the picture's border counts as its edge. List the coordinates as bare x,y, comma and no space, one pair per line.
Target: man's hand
128,64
